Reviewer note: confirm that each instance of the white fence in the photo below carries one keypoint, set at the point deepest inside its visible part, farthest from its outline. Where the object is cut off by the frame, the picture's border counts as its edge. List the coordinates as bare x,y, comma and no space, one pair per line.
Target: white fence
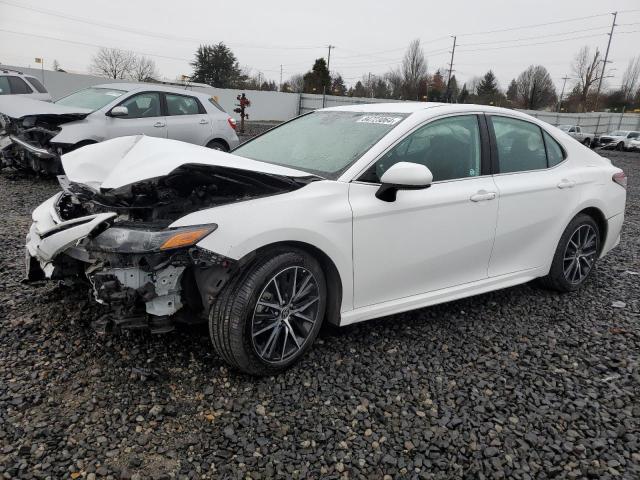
279,106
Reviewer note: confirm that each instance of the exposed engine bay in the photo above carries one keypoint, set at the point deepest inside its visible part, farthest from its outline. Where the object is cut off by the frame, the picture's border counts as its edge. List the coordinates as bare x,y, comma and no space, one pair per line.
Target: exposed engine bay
120,241
25,142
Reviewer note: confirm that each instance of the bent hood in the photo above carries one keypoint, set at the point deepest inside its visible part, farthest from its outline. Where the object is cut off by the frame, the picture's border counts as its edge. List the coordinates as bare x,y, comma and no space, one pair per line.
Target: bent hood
126,160
18,107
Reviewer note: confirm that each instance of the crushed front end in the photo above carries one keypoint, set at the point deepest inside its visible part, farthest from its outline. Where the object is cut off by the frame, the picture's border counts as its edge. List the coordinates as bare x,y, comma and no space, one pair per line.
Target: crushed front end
121,243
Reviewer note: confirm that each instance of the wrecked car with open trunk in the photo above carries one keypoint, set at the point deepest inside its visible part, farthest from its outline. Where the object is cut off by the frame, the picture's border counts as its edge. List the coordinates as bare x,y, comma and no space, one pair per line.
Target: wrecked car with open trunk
341,215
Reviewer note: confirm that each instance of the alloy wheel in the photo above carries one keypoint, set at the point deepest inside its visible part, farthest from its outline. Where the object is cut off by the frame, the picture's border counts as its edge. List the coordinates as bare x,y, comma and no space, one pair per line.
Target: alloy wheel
285,314
580,254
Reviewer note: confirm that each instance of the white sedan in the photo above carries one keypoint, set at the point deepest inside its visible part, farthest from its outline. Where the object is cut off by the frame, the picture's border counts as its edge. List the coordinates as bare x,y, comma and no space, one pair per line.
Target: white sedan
342,215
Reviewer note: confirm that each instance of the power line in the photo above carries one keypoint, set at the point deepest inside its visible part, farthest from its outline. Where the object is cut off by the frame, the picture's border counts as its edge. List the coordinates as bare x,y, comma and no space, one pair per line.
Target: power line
542,36
147,33
529,44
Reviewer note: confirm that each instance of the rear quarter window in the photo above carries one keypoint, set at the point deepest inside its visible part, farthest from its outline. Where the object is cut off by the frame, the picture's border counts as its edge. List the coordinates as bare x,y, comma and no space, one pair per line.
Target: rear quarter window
37,85
555,153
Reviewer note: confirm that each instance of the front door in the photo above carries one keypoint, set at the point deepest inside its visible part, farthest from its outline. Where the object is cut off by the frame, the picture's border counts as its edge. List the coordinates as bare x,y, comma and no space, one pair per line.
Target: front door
428,239
145,117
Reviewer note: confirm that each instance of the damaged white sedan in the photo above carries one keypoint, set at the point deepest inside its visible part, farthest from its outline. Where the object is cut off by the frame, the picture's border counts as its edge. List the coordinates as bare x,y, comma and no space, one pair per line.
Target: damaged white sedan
341,215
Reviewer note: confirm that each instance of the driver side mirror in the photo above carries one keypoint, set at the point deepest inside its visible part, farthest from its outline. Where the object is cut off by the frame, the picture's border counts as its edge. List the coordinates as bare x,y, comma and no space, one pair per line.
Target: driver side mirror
119,111
403,176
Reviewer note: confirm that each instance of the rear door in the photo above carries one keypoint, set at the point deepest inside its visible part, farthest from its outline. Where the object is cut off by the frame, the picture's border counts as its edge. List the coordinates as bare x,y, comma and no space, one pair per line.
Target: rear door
187,120
538,190
145,117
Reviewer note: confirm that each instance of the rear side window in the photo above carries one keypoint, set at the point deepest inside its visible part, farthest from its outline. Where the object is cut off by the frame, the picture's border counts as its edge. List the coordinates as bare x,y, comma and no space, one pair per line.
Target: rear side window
182,105
37,85
520,145
4,85
555,154
19,86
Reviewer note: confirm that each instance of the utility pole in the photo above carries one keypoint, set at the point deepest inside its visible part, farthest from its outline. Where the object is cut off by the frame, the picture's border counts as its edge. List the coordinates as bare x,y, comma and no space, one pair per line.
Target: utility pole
606,59
370,86
324,87
564,83
280,77
453,51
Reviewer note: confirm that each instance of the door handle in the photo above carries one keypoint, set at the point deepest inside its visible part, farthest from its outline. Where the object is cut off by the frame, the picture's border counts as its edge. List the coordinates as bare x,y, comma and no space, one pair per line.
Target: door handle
203,121
159,124
482,196
564,183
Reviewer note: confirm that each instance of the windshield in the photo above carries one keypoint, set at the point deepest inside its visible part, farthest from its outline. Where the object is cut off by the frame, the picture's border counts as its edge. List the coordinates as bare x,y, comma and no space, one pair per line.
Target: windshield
92,98
619,133
325,143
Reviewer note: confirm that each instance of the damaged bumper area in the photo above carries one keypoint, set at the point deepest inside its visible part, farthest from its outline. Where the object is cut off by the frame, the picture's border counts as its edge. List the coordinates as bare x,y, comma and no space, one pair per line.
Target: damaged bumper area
113,230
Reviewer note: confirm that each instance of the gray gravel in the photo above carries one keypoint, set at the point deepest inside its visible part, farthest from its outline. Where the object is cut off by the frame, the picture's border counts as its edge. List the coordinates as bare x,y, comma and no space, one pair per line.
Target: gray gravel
521,383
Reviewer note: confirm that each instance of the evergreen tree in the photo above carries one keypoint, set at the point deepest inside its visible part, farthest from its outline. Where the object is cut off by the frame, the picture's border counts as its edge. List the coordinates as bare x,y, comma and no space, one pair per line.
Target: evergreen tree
464,94
316,80
487,90
359,90
452,90
512,92
216,65
338,87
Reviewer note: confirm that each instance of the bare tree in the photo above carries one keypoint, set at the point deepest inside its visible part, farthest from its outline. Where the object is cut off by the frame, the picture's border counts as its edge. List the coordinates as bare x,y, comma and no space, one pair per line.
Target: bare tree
112,63
413,70
143,69
630,78
535,88
586,68
55,65
296,83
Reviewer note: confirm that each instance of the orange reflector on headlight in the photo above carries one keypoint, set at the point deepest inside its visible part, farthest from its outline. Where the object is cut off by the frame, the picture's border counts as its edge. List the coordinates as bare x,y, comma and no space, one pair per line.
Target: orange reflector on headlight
184,239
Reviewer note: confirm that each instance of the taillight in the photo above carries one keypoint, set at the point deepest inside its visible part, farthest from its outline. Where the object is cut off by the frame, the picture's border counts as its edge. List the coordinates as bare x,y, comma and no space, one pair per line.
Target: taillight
232,123
620,178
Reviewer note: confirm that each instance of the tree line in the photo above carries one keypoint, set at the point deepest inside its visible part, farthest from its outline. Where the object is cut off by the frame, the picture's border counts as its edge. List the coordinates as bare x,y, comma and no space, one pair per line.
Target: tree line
532,89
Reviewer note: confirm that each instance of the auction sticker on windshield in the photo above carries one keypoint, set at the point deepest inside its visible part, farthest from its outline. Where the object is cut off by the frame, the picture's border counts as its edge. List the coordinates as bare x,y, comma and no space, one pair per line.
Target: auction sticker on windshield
379,119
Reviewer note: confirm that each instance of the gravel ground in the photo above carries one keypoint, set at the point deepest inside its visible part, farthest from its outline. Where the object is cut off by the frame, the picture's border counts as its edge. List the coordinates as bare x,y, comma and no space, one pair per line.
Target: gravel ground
520,383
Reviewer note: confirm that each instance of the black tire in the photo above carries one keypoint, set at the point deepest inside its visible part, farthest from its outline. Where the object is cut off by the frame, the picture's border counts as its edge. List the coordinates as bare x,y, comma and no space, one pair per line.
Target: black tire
587,142
218,145
557,278
231,318
620,147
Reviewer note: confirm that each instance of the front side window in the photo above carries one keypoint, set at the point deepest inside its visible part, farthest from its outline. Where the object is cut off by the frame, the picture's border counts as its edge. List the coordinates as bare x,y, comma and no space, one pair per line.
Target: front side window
520,145
91,98
181,105
4,85
19,86
142,105
37,85
634,135
325,143
449,147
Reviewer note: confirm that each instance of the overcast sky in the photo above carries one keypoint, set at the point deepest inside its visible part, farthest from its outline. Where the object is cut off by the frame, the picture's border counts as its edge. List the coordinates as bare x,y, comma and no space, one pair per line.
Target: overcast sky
370,36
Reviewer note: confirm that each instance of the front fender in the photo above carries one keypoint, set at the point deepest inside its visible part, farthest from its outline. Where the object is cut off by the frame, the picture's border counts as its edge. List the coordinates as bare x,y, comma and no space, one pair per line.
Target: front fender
317,214
79,131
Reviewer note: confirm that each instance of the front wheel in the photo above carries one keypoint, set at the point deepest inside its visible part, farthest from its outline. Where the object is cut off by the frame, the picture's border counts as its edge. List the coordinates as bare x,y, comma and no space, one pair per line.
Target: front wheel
575,256
269,315
620,147
587,142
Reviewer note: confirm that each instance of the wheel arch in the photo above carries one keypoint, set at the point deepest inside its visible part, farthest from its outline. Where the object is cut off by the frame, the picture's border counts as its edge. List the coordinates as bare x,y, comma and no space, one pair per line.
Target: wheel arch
334,281
600,219
219,140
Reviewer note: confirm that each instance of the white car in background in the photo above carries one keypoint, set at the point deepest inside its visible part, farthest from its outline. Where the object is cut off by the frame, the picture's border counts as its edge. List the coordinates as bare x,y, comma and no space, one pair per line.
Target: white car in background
14,82
37,133
575,131
620,140
342,215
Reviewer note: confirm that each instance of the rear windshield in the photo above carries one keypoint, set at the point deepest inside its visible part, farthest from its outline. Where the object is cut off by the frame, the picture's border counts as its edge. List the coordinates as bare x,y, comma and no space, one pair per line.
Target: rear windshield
325,143
92,98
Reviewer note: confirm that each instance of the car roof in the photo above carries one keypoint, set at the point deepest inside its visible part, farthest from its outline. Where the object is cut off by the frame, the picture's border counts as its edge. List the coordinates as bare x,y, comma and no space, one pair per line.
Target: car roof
132,87
431,107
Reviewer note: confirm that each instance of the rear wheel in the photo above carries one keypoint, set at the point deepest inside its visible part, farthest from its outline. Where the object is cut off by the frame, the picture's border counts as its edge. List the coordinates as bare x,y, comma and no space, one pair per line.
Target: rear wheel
218,145
575,256
620,147
268,317
587,142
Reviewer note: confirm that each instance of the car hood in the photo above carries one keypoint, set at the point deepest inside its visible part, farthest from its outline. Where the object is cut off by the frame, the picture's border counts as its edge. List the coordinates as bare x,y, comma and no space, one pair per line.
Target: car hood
126,160
18,107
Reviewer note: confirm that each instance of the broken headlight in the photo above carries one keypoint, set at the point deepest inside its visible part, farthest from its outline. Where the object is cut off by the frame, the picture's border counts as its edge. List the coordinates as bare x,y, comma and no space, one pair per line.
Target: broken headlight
130,240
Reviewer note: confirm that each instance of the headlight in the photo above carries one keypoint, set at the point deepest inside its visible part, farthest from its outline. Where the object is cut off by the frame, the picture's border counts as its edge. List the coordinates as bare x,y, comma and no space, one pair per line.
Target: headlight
129,240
